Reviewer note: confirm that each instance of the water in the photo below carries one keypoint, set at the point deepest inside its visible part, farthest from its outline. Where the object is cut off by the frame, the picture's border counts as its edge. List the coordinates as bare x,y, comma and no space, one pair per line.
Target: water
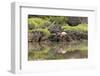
57,50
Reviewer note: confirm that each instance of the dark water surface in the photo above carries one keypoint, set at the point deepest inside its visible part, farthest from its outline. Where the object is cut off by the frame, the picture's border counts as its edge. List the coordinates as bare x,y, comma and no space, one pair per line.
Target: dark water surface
57,50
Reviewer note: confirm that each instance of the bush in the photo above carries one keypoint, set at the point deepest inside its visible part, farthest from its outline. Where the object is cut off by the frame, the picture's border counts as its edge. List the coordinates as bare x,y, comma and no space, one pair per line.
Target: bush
37,23
59,19
45,31
80,27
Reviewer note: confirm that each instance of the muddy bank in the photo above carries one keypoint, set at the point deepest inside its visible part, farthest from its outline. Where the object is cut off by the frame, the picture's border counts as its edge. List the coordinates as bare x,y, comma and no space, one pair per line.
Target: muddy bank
58,37
70,35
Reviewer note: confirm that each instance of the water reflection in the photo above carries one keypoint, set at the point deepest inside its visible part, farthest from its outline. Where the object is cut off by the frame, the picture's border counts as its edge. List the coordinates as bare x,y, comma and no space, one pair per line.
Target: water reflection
53,50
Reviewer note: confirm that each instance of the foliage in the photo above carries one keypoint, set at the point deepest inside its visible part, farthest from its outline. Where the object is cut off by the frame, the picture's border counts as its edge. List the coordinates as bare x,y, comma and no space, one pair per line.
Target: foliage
37,23
44,26
80,27
44,31
45,34
58,19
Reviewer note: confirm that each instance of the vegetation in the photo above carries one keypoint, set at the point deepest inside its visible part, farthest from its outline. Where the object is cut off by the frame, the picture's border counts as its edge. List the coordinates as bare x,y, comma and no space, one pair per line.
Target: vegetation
50,27
35,23
57,37
49,51
80,27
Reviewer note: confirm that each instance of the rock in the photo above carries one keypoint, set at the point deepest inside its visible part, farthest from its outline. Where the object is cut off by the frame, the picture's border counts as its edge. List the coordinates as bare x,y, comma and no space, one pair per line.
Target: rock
73,21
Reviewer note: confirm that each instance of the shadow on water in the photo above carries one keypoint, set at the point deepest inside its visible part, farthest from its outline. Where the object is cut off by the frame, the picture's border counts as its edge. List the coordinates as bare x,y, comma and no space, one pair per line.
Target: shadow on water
60,50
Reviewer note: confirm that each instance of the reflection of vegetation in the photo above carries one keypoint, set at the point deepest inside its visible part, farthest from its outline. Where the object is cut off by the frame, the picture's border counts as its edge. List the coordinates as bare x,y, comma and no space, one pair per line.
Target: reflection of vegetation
38,54
58,50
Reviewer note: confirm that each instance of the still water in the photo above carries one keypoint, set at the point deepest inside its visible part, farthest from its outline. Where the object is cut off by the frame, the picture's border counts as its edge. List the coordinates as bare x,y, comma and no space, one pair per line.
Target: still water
57,50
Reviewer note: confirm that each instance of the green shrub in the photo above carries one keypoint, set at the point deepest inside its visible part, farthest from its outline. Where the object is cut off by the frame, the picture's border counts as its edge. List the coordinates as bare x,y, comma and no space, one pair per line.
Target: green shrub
80,27
30,31
58,19
44,31
37,22
83,27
